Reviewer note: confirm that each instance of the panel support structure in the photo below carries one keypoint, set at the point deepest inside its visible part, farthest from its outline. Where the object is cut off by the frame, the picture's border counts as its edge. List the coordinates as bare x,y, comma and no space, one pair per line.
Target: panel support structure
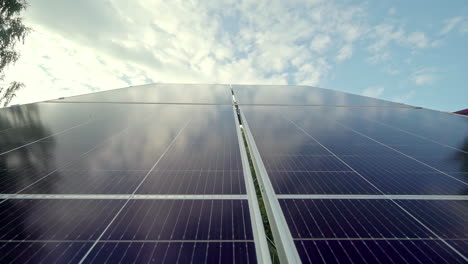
285,246
261,244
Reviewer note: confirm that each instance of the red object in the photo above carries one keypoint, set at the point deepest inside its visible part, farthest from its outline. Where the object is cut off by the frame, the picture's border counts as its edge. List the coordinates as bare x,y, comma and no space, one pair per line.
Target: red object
462,112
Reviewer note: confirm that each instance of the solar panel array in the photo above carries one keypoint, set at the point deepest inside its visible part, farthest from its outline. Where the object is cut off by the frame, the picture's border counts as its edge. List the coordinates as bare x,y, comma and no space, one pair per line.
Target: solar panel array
159,173
138,178
351,179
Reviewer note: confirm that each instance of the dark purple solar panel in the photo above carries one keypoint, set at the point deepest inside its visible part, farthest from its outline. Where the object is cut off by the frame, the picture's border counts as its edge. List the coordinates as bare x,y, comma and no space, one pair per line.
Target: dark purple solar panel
42,252
173,252
447,218
306,182
38,219
194,182
182,220
294,142
113,155
340,218
376,251
88,182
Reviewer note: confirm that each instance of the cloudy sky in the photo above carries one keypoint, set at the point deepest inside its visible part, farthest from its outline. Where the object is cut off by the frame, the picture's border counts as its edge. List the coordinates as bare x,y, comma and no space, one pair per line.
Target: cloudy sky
406,51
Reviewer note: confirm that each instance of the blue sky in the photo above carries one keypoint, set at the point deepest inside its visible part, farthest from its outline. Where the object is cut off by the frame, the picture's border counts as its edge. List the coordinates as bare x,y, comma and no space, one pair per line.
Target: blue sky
406,51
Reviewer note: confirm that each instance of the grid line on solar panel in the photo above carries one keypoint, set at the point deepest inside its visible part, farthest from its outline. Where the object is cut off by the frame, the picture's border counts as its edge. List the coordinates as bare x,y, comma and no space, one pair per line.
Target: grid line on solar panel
408,156
194,182
350,219
39,252
428,229
49,136
125,196
446,218
374,166
189,252
126,252
461,245
128,200
375,251
306,182
55,219
367,196
182,220
24,175
416,135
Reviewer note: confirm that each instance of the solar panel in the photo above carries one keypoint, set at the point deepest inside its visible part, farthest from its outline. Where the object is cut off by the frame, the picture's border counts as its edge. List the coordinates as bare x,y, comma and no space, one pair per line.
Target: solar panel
302,95
132,182
160,173
160,93
360,184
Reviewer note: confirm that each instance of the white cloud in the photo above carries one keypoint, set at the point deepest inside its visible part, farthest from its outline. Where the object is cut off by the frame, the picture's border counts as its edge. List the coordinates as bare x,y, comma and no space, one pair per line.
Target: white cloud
392,11
460,23
425,76
344,53
373,91
384,37
83,46
320,42
424,79
418,39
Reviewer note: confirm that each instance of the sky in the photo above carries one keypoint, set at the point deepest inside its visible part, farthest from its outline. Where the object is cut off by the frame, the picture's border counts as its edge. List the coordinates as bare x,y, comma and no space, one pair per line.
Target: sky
413,52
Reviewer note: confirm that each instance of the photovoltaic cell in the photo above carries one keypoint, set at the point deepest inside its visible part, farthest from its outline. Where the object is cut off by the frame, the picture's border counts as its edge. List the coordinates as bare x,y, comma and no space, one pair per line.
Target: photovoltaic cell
37,219
381,148
342,218
182,220
125,147
43,252
346,141
174,252
460,245
376,251
306,182
99,157
88,182
447,218
194,182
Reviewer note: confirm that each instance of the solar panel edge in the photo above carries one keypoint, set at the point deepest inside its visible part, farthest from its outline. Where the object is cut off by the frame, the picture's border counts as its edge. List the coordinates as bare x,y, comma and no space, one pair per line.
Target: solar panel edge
287,251
261,244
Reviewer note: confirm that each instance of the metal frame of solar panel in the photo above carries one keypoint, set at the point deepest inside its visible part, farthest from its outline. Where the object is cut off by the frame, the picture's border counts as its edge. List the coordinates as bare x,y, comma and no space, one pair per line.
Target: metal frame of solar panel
359,182
120,182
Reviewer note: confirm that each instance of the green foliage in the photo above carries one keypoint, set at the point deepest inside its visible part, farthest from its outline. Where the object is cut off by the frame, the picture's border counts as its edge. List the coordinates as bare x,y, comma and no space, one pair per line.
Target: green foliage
12,31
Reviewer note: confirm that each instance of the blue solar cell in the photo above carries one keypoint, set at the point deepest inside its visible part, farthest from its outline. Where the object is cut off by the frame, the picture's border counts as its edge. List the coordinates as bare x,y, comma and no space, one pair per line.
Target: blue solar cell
88,182
447,218
207,141
303,163
415,183
182,220
310,137
38,219
194,182
343,218
304,182
459,245
42,252
376,251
